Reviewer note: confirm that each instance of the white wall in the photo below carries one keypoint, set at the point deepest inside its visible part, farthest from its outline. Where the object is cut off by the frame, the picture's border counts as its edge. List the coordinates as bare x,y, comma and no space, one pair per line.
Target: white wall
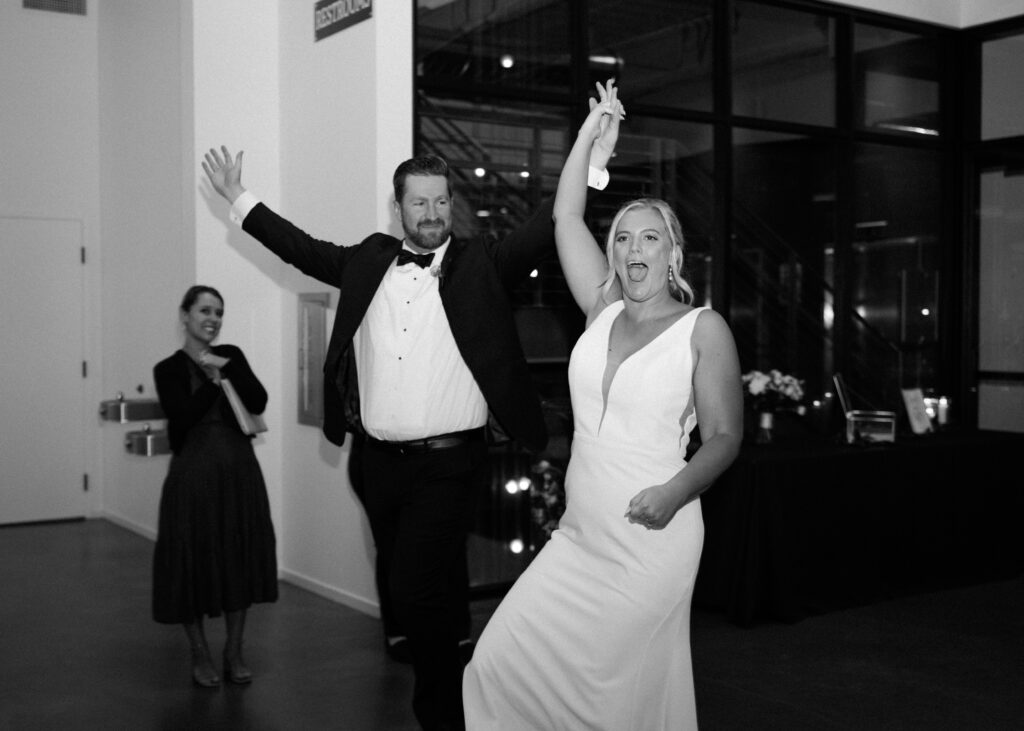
941,12
976,12
235,92
953,13
346,120
148,247
49,116
49,168
326,105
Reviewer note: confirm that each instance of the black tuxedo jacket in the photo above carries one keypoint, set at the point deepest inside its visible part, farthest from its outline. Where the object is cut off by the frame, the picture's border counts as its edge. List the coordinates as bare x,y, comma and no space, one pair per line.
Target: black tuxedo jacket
473,284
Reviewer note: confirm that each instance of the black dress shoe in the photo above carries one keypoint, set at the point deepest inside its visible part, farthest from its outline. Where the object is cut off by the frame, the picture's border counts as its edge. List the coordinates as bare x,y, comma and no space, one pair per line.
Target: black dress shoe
398,649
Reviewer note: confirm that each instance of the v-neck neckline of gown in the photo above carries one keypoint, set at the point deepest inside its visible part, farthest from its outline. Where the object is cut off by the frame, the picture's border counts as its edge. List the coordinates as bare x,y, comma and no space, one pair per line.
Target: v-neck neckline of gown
606,381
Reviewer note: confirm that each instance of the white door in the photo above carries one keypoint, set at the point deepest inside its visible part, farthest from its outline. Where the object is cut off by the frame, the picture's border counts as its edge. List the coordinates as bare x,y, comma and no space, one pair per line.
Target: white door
42,390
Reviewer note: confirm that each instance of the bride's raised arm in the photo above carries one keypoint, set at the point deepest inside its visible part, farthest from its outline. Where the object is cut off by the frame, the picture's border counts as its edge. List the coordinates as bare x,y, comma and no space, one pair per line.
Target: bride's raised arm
583,262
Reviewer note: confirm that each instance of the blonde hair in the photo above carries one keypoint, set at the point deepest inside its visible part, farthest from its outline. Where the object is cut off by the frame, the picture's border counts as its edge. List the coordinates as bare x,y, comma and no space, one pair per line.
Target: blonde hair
678,287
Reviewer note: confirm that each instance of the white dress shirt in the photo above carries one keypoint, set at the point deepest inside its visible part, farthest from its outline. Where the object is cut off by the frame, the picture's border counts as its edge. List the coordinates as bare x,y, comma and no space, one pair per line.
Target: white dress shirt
413,383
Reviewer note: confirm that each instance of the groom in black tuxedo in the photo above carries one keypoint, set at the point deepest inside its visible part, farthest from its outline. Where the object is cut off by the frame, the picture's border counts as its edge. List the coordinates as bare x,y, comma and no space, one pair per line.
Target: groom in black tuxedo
424,345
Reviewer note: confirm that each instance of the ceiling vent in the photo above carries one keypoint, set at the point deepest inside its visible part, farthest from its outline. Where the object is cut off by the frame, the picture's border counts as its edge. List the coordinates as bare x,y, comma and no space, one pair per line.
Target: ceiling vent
71,7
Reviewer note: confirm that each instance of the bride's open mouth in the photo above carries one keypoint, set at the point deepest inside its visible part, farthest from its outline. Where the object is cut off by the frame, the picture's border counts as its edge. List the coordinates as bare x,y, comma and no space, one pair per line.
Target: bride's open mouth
636,271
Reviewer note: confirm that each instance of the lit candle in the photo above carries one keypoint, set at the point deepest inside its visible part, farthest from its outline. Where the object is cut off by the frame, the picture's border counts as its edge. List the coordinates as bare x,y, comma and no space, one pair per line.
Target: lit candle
943,409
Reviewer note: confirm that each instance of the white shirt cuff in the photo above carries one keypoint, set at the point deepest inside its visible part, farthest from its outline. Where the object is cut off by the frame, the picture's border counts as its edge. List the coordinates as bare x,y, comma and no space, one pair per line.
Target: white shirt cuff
596,178
241,207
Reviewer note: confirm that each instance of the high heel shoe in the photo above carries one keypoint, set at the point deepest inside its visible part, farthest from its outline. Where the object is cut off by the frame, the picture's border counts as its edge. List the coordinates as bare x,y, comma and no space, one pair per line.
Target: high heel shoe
237,672
203,673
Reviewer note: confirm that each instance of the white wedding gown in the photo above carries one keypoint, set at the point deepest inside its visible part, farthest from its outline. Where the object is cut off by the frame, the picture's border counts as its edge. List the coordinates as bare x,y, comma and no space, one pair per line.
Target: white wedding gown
595,634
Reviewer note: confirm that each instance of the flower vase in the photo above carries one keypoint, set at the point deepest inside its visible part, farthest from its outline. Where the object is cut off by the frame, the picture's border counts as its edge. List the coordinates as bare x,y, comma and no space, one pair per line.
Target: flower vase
765,427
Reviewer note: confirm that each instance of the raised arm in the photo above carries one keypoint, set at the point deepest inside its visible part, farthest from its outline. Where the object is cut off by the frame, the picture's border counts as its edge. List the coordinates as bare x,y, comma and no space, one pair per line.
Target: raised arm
582,260
224,172
319,259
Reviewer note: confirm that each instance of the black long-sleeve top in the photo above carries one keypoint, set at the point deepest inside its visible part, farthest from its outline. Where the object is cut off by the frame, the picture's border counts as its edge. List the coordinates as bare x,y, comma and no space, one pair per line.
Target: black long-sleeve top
184,408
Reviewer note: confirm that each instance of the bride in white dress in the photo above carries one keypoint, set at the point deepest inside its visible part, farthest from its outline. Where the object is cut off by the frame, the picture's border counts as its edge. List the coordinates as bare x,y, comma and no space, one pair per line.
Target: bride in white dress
595,634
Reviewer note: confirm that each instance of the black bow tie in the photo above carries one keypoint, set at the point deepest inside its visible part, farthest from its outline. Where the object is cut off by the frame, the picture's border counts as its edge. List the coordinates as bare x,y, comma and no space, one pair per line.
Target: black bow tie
421,260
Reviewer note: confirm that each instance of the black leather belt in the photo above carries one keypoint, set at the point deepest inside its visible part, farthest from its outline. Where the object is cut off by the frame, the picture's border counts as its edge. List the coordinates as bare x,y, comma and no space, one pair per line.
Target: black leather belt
429,444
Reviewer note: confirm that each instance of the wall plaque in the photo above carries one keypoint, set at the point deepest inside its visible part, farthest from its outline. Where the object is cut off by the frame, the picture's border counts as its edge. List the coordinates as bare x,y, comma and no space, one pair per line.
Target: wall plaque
330,16
312,350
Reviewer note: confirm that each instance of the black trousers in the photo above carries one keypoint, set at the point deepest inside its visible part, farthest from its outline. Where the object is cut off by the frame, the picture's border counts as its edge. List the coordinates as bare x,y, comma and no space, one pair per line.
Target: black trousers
389,623
420,508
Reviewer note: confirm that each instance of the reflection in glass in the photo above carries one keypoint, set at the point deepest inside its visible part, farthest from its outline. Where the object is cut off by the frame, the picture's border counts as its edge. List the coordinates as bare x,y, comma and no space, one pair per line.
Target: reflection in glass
504,538
1001,299
1002,78
783,64
784,238
659,50
896,80
671,160
1001,271
895,265
509,43
1000,404
503,158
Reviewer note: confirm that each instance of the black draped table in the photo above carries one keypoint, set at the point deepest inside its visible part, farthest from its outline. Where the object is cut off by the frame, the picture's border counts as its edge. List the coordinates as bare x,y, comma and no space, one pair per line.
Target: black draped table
795,529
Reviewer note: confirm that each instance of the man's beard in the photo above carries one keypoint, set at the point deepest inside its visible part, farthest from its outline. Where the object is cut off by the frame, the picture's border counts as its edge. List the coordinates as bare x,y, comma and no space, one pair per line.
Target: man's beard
430,239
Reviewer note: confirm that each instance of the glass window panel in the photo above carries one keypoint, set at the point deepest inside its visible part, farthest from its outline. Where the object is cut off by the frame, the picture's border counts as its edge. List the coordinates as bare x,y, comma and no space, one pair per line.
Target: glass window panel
671,160
1002,78
659,50
504,158
1001,271
895,272
507,43
896,80
784,227
783,64
504,537
1000,405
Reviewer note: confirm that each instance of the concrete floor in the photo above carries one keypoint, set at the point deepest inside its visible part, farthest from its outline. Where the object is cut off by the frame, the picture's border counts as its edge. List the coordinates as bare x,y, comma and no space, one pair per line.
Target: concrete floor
78,650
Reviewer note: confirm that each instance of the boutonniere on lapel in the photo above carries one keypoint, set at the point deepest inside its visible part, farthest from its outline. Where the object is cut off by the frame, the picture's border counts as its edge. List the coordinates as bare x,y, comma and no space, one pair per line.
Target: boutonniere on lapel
441,270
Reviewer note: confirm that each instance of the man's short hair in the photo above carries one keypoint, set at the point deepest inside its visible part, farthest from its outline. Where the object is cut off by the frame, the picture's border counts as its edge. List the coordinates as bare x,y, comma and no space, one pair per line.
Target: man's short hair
422,165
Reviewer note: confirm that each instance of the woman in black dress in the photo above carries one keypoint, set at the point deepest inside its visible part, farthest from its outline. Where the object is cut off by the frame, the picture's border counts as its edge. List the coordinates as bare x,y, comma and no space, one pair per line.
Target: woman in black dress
215,549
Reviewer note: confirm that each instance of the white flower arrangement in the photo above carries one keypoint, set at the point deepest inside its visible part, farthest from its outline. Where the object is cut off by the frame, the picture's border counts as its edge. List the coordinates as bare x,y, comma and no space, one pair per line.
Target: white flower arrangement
770,391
